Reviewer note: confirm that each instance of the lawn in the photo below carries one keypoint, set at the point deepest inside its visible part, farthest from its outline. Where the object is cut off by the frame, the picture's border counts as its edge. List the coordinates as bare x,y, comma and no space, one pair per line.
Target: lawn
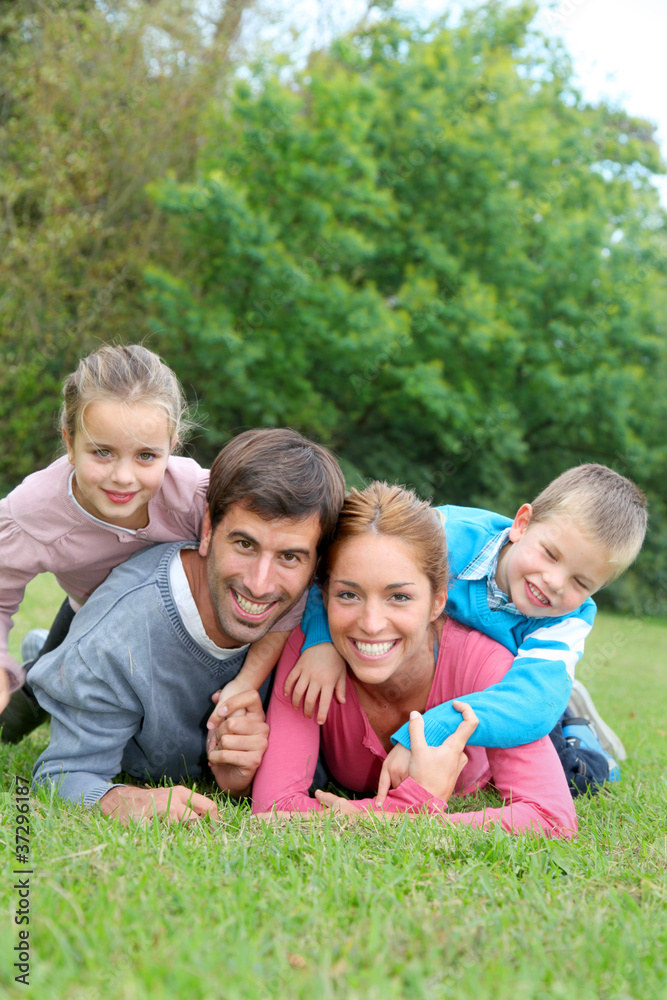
320,909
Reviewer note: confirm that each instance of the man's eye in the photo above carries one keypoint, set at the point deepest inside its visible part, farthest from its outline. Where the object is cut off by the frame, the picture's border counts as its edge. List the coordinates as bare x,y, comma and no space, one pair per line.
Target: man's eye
290,557
244,543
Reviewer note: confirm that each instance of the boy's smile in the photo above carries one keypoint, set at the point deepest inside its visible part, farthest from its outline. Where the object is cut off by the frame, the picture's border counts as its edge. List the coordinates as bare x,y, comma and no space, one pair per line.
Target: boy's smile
549,568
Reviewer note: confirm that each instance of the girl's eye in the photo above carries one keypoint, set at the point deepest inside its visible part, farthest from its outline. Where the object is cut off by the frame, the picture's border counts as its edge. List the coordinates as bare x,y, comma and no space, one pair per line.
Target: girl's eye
147,456
580,583
550,554
103,452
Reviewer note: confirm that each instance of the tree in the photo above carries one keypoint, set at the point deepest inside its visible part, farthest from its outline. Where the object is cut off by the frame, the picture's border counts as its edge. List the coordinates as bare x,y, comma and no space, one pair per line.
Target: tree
426,251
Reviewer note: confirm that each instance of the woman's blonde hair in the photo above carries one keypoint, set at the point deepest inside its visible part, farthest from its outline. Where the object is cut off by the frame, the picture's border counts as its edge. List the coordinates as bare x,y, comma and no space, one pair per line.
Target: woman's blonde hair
381,509
126,374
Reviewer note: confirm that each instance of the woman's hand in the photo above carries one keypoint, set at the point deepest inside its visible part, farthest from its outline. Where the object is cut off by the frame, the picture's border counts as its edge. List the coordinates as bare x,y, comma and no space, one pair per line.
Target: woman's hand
337,804
437,768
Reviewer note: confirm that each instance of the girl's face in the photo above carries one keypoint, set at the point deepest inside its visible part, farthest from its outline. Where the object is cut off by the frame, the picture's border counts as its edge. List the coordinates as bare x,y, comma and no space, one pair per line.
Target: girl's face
119,460
380,606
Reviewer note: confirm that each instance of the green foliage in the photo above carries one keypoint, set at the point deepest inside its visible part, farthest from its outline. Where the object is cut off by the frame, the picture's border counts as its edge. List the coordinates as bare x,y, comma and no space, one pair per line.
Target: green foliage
92,107
428,253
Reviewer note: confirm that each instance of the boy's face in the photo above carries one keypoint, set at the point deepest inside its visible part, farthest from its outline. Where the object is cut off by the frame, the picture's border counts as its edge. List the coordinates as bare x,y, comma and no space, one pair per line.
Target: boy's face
551,567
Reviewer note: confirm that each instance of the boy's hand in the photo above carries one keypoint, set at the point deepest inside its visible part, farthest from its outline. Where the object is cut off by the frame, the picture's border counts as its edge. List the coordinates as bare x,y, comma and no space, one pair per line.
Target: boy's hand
394,771
437,768
221,697
318,673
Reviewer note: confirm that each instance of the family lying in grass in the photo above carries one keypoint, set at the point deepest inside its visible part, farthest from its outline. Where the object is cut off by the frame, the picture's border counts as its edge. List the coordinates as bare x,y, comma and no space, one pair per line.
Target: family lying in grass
442,686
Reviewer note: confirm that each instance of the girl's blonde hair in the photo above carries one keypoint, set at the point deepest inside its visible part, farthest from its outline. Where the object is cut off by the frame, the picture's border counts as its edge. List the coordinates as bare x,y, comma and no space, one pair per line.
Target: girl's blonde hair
381,509
127,374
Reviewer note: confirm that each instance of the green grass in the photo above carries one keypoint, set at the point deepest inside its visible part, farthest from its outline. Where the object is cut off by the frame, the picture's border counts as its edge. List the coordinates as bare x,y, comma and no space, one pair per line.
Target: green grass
320,909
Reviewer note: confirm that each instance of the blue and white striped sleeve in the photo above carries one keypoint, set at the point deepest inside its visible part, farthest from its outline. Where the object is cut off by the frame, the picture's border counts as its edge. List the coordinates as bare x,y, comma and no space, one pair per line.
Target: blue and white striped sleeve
530,699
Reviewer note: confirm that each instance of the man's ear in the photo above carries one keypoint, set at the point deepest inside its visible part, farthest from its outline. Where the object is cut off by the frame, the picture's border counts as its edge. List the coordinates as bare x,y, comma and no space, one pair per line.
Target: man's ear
68,444
521,521
206,534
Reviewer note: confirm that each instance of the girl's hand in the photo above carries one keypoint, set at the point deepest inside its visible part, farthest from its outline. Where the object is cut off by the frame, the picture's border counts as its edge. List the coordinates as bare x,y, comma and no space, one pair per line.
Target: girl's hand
437,768
221,697
318,673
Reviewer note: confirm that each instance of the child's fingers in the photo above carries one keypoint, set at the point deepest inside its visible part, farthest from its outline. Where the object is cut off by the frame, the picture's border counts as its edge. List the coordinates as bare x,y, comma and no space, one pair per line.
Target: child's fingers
291,680
216,695
298,692
340,688
326,694
216,717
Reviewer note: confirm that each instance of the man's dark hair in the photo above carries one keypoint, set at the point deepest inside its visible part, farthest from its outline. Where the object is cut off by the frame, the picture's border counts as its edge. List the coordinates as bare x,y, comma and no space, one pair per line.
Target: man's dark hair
276,472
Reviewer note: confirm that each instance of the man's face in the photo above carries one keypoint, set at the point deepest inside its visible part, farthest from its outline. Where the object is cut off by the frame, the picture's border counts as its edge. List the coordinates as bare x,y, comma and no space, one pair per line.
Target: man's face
256,569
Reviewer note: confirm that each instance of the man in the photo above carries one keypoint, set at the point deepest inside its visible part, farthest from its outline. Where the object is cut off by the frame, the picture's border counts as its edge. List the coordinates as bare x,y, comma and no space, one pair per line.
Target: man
130,688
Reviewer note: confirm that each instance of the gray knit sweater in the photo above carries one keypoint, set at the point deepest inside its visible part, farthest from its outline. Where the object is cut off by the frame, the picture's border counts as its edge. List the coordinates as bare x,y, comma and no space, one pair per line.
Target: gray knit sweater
129,689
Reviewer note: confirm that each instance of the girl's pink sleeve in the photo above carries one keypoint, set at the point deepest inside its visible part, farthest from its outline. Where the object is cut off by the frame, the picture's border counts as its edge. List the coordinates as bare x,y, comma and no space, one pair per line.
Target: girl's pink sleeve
18,565
288,766
534,789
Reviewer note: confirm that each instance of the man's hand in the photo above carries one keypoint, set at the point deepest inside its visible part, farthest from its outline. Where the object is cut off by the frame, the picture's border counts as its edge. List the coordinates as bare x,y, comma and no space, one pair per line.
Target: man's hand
320,672
177,804
394,771
437,768
236,746
4,689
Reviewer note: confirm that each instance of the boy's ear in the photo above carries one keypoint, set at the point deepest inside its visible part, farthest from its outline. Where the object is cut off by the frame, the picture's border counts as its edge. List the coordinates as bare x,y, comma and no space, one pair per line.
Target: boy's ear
206,534
521,521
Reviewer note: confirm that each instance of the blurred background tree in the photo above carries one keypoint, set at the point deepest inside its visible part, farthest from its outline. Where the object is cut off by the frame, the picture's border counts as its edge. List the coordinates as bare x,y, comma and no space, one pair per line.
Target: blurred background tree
421,248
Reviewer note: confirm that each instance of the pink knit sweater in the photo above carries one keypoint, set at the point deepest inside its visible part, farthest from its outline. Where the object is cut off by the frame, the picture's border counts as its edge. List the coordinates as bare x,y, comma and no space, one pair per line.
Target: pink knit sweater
42,530
530,778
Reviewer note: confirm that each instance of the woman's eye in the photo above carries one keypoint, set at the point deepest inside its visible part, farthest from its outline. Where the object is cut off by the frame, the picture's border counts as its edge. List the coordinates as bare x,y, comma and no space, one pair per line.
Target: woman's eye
400,598
346,595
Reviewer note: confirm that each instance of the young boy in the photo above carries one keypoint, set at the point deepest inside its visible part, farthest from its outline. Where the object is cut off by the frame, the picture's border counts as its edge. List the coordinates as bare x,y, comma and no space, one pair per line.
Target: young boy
528,583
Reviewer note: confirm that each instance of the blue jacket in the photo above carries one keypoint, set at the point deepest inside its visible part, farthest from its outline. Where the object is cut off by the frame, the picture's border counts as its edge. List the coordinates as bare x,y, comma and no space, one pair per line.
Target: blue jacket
533,695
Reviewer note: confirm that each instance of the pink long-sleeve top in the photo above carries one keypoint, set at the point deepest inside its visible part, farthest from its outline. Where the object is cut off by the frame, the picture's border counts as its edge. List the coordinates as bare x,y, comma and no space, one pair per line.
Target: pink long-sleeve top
44,530
530,778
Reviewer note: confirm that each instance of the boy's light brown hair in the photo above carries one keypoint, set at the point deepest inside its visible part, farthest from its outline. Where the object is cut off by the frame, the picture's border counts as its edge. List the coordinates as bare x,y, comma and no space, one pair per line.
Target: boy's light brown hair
603,504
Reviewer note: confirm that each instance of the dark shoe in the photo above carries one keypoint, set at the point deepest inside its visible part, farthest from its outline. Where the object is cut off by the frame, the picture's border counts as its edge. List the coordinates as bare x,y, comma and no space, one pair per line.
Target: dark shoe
21,716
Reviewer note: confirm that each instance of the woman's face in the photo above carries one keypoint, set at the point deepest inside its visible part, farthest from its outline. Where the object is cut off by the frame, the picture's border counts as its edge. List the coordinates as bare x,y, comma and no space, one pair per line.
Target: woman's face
380,606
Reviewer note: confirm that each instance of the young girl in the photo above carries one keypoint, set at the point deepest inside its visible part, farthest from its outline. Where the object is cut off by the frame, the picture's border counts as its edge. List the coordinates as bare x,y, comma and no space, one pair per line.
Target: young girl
118,489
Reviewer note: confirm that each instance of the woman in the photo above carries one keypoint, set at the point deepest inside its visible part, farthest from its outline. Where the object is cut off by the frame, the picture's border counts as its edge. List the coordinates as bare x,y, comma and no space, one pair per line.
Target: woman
384,585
